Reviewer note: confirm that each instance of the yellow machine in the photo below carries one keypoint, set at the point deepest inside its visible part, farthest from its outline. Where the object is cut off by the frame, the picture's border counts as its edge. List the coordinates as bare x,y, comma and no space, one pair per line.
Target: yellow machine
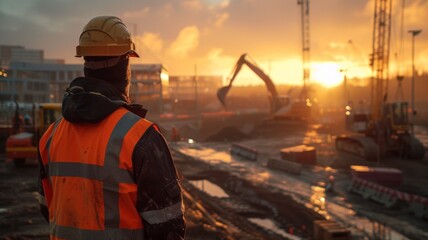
23,145
386,129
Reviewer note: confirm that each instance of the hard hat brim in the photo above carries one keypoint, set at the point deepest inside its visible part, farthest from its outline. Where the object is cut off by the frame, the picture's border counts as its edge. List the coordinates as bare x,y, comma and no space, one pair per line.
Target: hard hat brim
133,53
104,51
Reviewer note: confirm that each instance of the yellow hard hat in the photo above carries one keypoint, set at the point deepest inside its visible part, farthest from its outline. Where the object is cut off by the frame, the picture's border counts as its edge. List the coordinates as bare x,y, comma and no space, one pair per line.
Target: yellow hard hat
105,36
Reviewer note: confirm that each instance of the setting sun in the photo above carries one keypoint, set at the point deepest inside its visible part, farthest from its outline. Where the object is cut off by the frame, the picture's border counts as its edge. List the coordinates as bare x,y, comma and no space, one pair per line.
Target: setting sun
327,74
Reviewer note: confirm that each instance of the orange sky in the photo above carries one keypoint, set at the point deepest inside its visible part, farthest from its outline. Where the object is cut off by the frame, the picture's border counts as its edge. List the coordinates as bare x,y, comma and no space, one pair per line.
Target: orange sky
212,34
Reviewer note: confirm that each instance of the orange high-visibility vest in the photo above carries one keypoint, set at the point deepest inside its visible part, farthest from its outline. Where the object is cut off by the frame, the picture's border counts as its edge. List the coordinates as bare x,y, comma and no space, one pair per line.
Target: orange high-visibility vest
90,191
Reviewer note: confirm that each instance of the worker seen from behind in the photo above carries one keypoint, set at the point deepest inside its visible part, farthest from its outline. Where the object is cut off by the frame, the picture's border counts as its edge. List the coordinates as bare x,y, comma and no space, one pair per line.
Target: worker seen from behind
105,171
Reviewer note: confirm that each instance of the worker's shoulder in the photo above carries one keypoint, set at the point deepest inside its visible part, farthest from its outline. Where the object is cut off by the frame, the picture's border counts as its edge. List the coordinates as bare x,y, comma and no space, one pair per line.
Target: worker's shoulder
142,120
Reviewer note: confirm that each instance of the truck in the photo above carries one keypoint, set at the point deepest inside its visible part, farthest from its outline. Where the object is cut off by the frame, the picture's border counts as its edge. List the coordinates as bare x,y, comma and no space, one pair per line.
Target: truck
23,145
281,106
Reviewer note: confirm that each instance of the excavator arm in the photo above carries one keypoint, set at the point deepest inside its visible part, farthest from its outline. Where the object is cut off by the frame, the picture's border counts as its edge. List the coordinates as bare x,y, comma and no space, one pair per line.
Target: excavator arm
222,92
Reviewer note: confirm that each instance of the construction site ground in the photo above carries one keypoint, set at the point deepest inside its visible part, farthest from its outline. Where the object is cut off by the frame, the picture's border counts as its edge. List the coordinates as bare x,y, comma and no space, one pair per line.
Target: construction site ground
228,197
364,218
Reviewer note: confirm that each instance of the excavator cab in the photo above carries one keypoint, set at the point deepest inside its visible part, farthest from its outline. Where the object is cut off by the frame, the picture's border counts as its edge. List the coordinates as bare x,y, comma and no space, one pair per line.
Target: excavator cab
279,103
283,100
397,115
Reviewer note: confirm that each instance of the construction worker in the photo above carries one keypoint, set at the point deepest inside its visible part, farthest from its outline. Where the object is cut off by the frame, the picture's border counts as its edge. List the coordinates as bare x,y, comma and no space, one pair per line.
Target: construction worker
105,171
175,134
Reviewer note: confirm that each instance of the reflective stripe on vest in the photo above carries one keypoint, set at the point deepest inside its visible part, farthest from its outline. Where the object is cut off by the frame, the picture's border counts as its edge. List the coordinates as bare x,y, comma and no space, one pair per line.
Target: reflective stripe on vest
163,215
109,176
71,233
47,186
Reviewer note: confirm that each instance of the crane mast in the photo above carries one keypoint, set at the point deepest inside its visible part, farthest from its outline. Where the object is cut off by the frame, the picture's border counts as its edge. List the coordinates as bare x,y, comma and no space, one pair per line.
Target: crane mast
386,129
379,59
305,46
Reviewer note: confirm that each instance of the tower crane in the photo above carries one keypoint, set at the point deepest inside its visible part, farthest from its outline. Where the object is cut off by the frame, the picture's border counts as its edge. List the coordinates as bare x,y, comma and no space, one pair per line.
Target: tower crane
305,47
388,129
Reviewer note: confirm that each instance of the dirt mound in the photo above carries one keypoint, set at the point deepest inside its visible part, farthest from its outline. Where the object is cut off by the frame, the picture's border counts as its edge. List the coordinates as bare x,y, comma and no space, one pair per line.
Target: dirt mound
227,134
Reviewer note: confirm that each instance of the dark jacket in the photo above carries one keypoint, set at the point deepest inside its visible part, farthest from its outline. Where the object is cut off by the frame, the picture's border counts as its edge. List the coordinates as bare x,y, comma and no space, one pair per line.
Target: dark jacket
90,101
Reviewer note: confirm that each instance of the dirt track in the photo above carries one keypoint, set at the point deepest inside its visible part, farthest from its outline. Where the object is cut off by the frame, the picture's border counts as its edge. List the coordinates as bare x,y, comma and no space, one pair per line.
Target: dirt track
20,217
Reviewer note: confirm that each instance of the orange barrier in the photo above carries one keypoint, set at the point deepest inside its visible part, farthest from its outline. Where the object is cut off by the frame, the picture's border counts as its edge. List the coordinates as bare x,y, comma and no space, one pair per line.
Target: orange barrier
390,177
302,154
389,197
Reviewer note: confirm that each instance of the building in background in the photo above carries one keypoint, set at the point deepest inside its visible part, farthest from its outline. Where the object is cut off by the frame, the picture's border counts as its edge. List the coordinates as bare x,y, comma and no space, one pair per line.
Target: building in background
9,54
37,82
149,86
192,94
26,77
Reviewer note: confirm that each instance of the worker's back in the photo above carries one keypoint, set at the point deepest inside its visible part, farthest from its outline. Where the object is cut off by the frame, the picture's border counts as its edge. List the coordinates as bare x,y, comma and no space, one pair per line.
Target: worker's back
91,173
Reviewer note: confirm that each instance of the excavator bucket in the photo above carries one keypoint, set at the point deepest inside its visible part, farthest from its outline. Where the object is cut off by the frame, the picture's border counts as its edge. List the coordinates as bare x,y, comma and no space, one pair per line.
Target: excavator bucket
221,94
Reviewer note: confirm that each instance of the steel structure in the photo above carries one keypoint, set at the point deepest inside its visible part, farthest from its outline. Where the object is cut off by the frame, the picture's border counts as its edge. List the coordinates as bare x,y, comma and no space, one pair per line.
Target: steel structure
380,57
305,46
386,129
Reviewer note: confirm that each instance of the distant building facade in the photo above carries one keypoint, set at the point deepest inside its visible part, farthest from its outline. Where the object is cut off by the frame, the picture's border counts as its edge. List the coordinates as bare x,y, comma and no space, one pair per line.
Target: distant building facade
9,54
149,86
189,94
37,82
26,77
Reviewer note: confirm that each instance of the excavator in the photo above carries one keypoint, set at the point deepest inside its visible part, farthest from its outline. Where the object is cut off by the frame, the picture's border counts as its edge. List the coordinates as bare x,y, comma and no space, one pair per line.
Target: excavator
385,130
281,107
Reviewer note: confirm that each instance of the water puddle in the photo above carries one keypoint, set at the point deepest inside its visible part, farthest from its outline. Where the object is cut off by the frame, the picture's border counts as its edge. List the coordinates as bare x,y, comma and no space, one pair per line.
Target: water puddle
270,225
3,210
317,201
312,137
210,188
208,154
313,196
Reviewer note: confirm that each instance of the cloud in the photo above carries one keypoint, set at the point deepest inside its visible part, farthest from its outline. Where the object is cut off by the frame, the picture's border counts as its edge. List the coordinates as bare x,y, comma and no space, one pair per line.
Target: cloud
217,63
137,13
221,18
214,33
224,4
192,4
152,40
187,41
416,14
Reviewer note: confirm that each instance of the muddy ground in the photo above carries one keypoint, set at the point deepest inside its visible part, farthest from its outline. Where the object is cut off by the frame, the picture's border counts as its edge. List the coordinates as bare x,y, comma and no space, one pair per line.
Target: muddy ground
210,217
414,173
206,219
20,217
19,211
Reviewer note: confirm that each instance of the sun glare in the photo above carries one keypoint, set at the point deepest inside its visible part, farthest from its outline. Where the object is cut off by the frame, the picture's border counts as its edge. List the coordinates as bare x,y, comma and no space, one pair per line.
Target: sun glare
326,74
